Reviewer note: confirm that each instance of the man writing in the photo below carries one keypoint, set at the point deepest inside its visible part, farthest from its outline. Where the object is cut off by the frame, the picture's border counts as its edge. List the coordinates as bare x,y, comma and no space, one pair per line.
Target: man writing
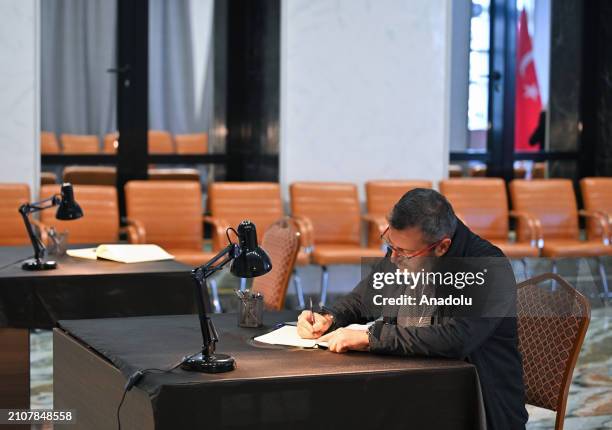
423,227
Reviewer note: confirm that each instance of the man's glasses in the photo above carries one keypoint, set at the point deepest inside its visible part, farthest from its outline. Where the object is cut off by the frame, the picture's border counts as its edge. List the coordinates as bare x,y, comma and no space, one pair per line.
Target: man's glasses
404,253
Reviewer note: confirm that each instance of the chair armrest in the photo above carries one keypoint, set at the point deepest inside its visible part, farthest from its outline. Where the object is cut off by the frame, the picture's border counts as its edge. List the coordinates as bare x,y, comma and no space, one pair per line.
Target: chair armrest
219,227
42,229
377,221
136,231
534,225
602,219
306,231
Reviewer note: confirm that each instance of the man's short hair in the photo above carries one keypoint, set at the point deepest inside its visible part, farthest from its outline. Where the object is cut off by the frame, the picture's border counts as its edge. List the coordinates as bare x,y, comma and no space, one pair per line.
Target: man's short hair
426,209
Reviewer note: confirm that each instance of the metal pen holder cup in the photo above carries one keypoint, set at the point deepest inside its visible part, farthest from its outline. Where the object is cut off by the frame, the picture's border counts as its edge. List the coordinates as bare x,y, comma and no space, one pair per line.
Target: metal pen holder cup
250,309
58,242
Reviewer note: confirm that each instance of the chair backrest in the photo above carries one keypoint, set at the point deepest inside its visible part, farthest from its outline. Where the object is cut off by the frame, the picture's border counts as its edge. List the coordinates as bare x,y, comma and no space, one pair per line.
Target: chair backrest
174,174
597,197
48,178
234,202
12,229
191,143
111,143
333,208
160,142
170,211
481,203
80,144
90,175
381,196
455,171
100,221
552,201
48,143
551,328
281,242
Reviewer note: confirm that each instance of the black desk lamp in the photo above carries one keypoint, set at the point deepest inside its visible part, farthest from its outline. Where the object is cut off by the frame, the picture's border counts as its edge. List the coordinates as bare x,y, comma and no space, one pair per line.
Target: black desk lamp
248,261
68,209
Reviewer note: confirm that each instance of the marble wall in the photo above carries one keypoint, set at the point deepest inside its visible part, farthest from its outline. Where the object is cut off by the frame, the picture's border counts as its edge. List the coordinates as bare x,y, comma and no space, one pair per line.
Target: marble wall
19,86
364,89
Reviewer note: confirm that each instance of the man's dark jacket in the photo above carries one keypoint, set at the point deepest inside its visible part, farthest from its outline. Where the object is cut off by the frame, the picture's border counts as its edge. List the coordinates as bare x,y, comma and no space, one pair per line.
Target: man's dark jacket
489,343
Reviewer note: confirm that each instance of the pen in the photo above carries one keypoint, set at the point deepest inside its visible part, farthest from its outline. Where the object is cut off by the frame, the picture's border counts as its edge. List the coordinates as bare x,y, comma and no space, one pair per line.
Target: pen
312,314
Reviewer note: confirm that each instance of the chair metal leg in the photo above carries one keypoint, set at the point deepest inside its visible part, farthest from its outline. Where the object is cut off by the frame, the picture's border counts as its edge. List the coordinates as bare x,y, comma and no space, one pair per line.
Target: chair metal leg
324,284
604,278
242,284
299,292
215,296
554,270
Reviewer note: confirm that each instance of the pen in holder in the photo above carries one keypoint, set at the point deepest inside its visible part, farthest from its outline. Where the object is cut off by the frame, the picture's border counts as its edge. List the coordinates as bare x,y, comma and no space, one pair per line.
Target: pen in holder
250,309
58,242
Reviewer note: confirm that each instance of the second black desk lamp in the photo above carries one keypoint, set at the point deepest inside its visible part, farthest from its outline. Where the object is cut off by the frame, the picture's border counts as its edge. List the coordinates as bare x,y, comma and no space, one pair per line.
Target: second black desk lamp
248,261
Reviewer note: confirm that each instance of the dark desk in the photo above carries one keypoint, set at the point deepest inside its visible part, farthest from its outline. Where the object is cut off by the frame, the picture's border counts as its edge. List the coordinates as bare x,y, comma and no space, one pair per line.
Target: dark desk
77,289
272,387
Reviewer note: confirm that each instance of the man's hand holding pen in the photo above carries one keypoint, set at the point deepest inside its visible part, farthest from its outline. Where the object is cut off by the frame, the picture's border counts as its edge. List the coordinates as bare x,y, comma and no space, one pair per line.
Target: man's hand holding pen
312,325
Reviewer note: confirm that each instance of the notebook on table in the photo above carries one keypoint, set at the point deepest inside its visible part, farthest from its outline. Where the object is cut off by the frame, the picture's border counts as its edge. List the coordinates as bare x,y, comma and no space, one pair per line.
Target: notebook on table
288,335
123,253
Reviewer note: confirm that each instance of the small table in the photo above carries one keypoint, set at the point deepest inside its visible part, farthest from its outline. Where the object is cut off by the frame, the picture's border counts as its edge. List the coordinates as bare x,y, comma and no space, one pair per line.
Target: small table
272,386
77,289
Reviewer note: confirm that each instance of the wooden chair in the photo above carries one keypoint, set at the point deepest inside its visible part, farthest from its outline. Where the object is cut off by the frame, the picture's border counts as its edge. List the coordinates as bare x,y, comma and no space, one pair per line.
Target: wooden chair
12,229
100,221
80,144
381,196
551,328
281,241
332,211
597,198
90,175
169,214
111,143
48,178
160,142
191,143
48,143
482,204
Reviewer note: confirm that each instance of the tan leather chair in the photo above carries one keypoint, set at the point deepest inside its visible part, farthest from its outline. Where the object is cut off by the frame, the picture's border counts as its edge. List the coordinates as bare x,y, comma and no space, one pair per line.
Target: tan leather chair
553,203
482,204
381,196
100,221
169,214
597,198
332,209
48,178
551,329
174,174
111,143
455,171
191,143
48,143
12,229
90,175
282,242
80,144
160,142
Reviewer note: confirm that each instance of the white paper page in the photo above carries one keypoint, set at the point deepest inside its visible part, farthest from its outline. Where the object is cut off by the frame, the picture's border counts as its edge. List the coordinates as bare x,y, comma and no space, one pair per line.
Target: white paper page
288,335
133,253
88,253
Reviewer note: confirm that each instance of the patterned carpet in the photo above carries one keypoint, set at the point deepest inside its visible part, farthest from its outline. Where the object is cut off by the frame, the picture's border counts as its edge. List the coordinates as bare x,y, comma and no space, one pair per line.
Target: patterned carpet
590,397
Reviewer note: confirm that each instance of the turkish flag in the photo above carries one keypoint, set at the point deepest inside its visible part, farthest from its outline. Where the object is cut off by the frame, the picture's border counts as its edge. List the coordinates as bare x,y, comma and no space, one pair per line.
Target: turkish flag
528,103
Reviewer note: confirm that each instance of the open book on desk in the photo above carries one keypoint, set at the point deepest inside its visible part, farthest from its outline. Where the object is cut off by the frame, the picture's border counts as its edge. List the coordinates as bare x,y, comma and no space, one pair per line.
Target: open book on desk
288,335
123,253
